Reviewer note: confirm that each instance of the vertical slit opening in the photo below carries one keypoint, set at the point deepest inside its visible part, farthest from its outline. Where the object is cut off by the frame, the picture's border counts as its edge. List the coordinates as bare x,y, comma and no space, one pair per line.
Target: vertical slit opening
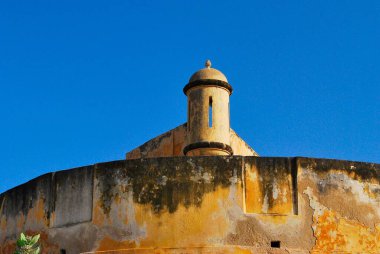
210,112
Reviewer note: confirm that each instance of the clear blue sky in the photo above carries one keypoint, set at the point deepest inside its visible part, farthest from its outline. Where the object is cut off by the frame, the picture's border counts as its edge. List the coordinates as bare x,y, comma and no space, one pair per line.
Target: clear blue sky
86,81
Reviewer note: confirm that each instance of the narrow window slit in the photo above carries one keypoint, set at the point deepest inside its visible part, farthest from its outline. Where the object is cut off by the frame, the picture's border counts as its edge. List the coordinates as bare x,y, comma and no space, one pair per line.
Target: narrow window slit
210,112
275,244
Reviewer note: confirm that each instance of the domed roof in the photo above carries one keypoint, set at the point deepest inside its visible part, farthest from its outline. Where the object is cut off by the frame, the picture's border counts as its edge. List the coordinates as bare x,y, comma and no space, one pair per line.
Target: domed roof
208,73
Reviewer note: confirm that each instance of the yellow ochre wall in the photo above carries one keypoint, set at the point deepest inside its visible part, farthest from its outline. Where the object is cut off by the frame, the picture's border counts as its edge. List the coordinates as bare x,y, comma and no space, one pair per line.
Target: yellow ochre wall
221,204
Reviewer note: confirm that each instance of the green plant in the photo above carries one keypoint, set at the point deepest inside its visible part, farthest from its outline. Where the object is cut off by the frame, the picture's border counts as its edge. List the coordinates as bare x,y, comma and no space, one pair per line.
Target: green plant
28,244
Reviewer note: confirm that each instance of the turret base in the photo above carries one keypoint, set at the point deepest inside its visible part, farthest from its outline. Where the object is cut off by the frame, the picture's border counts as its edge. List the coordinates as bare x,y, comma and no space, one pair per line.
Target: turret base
207,148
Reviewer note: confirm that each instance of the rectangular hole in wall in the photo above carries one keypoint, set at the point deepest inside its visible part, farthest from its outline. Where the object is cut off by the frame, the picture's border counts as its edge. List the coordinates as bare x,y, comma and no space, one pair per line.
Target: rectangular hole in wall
210,112
275,244
62,251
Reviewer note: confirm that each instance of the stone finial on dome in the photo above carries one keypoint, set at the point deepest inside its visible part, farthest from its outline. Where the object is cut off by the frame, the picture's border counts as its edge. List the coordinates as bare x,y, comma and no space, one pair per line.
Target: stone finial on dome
208,73
208,63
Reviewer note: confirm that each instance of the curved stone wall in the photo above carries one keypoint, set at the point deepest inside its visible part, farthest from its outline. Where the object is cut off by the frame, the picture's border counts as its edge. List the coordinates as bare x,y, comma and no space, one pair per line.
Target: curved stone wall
200,205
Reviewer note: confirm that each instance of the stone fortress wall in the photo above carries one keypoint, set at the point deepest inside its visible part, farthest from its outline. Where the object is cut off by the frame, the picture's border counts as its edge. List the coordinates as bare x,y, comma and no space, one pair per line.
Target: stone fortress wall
219,204
165,198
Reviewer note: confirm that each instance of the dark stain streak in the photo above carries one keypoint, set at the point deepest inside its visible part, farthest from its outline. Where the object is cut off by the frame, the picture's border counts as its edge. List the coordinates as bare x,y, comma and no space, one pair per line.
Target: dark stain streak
24,197
357,170
273,173
294,172
166,183
186,180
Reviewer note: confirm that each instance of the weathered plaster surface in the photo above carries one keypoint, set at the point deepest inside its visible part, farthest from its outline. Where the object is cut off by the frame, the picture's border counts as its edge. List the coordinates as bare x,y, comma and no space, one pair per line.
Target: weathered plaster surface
171,144
345,200
199,118
200,205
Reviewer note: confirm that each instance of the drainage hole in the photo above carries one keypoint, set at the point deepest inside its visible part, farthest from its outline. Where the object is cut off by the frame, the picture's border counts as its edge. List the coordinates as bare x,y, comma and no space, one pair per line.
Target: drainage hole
275,244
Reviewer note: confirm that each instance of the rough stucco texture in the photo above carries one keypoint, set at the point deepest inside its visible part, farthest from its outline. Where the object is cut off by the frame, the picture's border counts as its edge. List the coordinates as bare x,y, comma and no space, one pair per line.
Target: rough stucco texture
203,125
171,144
200,205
